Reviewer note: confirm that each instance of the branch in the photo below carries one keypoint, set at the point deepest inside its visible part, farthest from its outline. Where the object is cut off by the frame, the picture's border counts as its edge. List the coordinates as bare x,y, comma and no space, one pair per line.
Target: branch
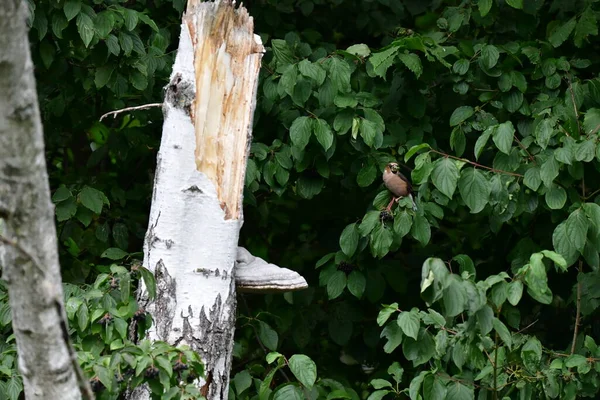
526,151
578,312
574,103
84,385
498,171
142,107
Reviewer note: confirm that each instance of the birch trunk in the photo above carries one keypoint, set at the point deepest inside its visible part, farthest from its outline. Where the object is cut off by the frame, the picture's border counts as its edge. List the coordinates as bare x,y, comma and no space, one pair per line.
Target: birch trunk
28,248
196,212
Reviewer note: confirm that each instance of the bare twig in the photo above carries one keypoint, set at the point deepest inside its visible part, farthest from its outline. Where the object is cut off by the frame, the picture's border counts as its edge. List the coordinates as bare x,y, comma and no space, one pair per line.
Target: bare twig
142,107
578,312
574,103
495,395
498,171
528,326
532,158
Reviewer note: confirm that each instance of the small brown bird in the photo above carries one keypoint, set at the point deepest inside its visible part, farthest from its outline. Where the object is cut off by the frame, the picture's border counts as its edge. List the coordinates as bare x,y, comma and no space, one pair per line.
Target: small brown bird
398,184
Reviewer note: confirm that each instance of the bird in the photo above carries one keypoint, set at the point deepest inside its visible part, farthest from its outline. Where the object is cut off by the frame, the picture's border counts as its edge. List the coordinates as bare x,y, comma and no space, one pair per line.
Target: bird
398,184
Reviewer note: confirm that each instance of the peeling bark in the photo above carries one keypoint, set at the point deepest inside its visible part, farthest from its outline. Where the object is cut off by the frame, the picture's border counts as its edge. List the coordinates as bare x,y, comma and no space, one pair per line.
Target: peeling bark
28,248
196,214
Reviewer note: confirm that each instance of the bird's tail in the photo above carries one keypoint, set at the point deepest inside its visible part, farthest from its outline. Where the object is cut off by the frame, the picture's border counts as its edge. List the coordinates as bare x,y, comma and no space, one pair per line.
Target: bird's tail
413,201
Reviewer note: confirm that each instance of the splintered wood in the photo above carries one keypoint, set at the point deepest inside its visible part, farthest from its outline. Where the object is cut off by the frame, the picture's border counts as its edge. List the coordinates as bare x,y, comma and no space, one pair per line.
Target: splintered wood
227,58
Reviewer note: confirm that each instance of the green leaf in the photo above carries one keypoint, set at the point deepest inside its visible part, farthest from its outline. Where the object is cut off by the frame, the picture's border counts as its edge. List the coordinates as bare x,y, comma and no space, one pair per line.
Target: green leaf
490,56
92,199
557,258
380,383
300,131
59,23
458,141
304,369
532,178
104,24
393,333
587,25
562,244
585,151
445,176
559,35
288,392
368,223
357,283
349,240
556,197
515,292
549,171
267,336
458,391
386,313
576,228
361,50
434,388
345,100
482,141
413,150
544,132
366,175
402,223
282,52
518,4
461,66
461,114
484,7
323,133
336,284
502,331
381,240
308,187
421,229
103,75
112,43
591,121
412,62
503,136
114,253
339,73
242,381
410,323
343,122
130,17
474,189
368,131
383,60
85,27
71,8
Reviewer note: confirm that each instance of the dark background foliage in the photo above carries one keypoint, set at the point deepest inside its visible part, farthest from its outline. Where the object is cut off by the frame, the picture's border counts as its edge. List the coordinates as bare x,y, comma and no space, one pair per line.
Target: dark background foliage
490,107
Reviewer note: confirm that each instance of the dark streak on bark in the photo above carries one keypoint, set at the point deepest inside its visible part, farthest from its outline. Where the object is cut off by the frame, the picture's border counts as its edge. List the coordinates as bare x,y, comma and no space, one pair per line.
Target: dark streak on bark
166,293
217,334
180,94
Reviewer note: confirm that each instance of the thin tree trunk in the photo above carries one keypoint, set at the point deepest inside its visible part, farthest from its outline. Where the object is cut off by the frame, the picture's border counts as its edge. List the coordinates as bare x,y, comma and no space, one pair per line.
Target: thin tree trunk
196,213
28,249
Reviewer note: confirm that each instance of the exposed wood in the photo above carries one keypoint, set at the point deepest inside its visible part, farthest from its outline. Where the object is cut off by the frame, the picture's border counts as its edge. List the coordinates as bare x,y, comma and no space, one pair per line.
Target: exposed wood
226,68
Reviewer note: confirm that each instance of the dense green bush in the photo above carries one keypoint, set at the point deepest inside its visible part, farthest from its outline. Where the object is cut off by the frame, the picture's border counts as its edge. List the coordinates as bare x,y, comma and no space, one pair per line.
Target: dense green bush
489,290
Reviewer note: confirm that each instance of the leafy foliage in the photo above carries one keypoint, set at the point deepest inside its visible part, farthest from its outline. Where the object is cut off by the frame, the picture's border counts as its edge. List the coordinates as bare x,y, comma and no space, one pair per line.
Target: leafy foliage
492,108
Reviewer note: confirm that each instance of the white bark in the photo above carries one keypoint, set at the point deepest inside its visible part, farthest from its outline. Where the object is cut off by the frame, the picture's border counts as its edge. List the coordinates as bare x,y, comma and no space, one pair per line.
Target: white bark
28,249
191,243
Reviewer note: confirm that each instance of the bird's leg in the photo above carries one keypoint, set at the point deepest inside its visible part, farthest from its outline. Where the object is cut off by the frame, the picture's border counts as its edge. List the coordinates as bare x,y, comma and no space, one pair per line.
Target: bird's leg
389,207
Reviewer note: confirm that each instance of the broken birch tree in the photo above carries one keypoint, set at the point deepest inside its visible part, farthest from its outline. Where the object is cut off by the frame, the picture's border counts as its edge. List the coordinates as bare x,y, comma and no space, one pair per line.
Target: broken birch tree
28,247
192,240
